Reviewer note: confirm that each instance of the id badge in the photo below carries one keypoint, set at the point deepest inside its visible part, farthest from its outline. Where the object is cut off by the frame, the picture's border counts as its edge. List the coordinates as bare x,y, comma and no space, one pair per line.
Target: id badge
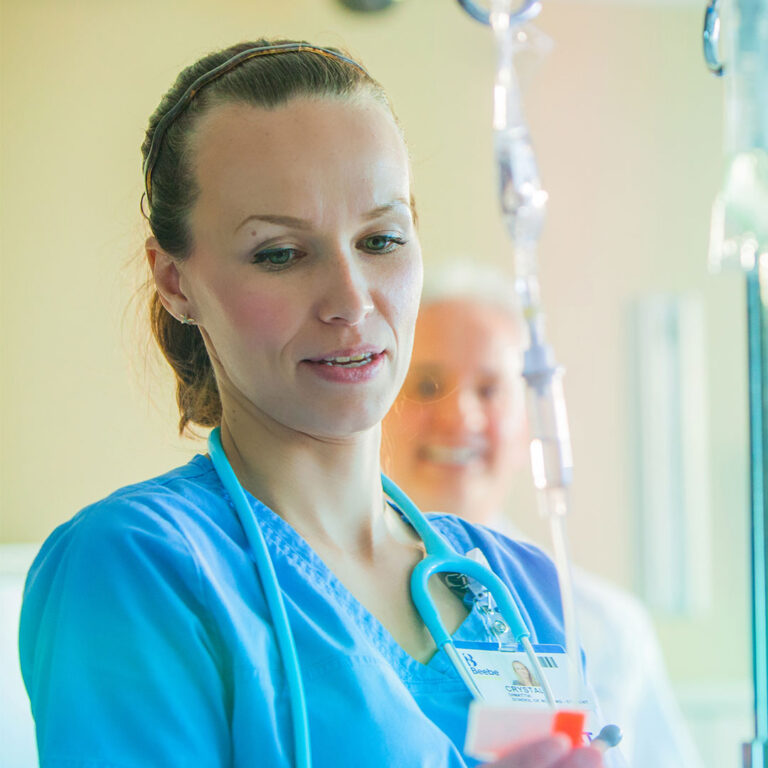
514,707
507,676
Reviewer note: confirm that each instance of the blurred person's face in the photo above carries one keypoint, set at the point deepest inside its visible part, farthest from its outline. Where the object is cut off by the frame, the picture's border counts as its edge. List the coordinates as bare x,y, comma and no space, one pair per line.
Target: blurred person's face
457,431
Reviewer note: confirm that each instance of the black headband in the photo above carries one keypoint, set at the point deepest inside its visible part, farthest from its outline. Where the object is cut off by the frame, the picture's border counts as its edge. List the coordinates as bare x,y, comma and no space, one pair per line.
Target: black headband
214,74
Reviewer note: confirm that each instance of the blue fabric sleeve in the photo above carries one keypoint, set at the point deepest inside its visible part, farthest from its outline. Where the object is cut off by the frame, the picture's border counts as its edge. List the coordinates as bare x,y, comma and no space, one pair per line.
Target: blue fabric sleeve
121,667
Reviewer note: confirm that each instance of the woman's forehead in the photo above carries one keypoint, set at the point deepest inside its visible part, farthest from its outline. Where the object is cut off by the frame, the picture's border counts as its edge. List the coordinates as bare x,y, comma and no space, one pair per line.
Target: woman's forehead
276,156
302,128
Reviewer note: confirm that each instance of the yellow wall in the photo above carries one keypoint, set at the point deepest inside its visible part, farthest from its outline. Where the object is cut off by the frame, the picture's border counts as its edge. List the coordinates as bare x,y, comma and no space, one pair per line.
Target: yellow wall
627,126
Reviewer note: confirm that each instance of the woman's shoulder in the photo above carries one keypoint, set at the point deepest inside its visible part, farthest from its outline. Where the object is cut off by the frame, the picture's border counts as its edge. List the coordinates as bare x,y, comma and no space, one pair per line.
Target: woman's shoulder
182,489
190,481
164,514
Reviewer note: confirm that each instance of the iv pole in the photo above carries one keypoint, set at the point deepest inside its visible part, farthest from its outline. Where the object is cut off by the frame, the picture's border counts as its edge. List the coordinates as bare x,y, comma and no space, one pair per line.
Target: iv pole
756,751
739,238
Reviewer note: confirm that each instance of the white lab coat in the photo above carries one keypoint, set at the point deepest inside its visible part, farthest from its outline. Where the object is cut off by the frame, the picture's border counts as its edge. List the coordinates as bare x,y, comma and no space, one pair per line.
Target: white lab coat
626,670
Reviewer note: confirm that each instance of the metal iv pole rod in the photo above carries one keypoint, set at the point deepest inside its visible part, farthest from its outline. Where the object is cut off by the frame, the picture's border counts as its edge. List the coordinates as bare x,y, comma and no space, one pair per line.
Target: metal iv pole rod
756,751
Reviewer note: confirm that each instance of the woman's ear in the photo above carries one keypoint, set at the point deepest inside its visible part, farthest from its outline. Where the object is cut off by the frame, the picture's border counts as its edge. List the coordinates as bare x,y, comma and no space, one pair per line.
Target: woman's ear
165,271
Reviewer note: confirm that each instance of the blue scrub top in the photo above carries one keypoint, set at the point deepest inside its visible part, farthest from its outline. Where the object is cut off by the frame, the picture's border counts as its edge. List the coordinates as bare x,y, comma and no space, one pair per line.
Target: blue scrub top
145,641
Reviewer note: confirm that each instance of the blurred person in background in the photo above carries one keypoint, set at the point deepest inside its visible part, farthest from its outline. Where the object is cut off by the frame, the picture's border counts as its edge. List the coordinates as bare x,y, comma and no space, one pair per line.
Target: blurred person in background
460,430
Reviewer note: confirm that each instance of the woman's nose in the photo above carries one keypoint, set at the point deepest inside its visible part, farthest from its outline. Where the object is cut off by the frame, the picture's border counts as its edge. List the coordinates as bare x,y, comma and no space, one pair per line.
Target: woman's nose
346,296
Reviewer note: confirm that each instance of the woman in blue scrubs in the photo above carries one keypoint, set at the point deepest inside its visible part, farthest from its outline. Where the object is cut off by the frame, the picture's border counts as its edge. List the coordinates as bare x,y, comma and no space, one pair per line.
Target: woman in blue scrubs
287,275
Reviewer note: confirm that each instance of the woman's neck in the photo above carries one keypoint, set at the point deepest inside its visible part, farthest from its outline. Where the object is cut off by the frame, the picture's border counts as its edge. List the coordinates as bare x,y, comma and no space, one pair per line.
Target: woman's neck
328,490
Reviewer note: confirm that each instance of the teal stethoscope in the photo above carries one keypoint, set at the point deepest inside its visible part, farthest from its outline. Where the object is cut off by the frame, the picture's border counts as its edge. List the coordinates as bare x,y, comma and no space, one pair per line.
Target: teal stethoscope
440,558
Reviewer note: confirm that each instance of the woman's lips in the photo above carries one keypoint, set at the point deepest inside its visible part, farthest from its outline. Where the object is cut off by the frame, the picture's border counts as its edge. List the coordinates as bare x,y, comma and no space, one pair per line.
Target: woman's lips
349,368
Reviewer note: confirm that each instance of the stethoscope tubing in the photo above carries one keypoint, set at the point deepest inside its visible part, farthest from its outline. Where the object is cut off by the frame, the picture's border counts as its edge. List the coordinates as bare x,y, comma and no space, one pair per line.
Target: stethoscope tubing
274,597
440,558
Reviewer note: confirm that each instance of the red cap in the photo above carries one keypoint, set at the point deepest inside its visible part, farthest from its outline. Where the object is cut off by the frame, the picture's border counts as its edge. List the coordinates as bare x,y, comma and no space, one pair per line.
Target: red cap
570,723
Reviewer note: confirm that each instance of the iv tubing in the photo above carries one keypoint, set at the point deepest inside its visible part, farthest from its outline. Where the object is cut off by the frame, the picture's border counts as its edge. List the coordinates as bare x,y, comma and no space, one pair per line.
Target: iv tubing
526,643
563,566
522,202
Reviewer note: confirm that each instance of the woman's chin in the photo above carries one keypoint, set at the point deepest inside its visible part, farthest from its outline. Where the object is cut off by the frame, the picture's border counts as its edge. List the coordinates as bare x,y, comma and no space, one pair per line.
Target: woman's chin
345,426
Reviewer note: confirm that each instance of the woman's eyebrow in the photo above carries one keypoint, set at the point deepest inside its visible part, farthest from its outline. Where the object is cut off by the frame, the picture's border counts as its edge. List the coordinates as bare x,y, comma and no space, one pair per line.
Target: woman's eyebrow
286,221
296,223
387,207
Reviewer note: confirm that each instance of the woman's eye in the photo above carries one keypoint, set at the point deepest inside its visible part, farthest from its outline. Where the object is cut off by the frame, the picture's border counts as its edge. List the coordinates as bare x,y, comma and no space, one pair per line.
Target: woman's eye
382,243
277,258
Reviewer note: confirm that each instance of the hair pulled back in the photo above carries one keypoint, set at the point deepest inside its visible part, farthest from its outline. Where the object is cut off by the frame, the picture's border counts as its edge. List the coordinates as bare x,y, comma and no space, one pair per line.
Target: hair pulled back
265,81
